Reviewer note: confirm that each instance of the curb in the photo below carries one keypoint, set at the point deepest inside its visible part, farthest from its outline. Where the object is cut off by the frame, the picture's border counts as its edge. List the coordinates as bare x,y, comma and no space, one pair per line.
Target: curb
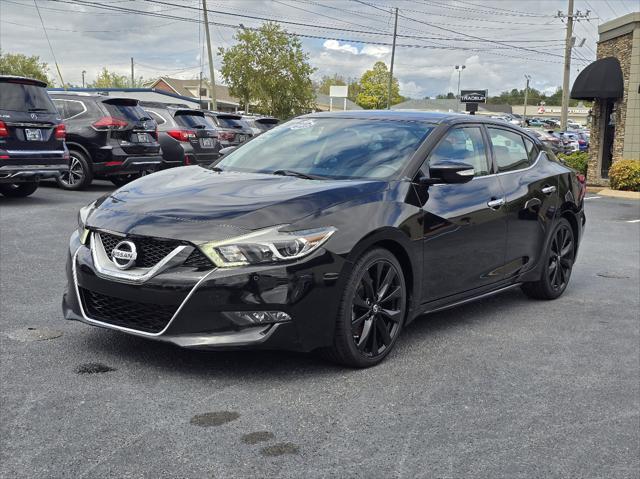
629,195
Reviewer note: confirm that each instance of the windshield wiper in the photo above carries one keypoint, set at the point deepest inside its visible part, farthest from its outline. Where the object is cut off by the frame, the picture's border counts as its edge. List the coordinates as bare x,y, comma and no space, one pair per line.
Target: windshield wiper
38,109
297,174
216,168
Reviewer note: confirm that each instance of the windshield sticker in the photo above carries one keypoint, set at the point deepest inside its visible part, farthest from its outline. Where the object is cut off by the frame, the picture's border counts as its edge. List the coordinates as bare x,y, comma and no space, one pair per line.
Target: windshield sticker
299,125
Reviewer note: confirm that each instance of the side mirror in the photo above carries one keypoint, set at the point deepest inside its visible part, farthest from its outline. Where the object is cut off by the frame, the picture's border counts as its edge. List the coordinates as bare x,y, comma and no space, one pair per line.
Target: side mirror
228,149
449,171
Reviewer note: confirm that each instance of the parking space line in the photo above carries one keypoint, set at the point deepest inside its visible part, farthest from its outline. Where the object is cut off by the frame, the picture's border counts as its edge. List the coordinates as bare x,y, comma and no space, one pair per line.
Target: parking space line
633,221
592,197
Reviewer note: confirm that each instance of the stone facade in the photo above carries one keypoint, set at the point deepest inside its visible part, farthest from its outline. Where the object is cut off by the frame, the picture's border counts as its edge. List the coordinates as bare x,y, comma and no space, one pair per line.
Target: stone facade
620,48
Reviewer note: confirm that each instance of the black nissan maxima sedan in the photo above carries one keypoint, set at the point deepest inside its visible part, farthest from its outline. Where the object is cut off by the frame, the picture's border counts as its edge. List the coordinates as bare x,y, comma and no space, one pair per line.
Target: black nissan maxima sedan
329,232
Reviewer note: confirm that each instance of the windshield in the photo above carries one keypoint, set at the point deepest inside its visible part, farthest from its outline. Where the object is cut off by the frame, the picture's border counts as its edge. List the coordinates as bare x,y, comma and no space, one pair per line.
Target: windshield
331,147
21,97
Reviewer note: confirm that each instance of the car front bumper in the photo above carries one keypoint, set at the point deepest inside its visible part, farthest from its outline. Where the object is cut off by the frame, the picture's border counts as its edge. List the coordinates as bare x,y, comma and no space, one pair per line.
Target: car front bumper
197,300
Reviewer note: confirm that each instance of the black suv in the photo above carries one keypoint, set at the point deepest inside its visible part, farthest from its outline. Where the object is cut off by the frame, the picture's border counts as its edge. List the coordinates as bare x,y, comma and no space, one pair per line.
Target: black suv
186,136
110,138
232,131
31,136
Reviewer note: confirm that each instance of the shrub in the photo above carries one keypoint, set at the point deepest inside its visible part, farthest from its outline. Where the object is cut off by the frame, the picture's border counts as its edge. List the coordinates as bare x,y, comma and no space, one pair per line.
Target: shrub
578,160
625,175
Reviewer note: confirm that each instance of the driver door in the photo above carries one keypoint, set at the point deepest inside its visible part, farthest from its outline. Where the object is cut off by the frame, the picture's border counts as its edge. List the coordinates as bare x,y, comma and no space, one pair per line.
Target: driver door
465,224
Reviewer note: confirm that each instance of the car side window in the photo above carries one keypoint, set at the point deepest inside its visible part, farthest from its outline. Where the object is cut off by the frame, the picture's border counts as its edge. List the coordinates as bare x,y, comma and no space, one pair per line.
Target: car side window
532,150
69,108
60,106
157,117
509,150
463,144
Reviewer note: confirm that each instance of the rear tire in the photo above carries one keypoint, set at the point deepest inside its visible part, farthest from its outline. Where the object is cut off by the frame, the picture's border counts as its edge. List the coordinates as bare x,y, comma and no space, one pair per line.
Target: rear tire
371,311
79,175
18,190
558,258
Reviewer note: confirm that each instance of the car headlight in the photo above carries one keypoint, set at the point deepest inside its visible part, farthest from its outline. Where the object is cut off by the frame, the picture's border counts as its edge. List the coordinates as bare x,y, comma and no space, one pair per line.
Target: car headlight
266,246
83,214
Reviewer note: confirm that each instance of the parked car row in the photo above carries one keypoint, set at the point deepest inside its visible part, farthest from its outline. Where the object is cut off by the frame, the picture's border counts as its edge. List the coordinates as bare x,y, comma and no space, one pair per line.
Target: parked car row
76,137
563,141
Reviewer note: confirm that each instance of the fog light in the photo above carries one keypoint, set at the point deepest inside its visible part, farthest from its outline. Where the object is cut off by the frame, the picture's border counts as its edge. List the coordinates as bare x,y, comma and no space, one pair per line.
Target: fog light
252,318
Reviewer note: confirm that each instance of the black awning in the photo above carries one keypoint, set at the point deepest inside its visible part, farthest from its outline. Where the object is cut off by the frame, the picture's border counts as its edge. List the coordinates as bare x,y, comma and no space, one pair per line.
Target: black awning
601,79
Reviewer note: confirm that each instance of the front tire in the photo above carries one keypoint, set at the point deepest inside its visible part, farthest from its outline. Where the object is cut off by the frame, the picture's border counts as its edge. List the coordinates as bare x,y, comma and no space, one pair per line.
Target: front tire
18,190
79,175
559,259
371,313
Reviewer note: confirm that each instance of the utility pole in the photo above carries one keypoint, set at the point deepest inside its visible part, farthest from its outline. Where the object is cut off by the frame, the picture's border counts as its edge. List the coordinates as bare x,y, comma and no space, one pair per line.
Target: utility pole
567,68
569,42
393,55
133,78
212,89
526,96
84,72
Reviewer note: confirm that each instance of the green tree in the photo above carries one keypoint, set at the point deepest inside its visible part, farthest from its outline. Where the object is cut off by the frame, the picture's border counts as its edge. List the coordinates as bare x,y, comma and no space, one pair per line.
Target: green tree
448,96
374,85
107,79
22,65
268,67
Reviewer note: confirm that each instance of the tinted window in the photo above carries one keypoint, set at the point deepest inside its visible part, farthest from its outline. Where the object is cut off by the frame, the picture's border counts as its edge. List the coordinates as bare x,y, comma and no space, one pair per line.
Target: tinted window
21,97
335,148
229,122
69,108
532,150
509,150
192,121
463,144
160,120
126,111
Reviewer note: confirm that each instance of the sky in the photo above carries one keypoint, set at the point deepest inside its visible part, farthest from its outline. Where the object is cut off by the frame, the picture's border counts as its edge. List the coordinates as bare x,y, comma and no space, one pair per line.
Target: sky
498,41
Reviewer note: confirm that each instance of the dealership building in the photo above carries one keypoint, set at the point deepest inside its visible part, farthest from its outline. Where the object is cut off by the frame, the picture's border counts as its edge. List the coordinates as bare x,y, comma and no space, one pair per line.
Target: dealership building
612,82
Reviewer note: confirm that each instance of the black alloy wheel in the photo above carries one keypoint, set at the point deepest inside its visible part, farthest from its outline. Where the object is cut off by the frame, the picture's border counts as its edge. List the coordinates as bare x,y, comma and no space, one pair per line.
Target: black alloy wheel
79,174
372,311
559,264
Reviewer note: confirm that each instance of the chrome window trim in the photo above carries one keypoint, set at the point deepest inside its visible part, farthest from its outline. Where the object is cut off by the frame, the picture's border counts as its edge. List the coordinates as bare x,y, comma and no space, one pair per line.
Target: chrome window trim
105,270
122,328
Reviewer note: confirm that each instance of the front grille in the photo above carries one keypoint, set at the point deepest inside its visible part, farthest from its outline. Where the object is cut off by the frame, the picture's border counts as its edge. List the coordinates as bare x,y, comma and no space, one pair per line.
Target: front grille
153,250
150,318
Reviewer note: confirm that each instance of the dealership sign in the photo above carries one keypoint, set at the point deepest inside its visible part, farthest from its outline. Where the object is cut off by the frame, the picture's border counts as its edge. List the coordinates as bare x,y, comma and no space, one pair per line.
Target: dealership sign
473,96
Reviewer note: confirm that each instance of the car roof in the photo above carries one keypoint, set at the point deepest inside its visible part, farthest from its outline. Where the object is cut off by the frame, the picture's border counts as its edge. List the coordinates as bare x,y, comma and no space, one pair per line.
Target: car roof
412,115
25,80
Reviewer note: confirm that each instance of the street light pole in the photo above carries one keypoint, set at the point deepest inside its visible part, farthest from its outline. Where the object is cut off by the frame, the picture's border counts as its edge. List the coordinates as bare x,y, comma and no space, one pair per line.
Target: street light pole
459,68
526,96
83,74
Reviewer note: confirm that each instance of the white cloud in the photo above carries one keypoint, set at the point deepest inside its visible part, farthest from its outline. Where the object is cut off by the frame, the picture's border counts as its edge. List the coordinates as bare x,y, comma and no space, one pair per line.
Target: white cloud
377,51
335,45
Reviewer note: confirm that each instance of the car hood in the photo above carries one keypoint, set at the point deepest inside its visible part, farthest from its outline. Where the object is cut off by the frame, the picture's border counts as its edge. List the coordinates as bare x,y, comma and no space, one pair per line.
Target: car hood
198,204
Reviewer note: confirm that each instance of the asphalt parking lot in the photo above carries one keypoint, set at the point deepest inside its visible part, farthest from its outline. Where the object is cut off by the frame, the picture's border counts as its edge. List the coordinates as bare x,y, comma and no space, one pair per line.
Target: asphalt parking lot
506,387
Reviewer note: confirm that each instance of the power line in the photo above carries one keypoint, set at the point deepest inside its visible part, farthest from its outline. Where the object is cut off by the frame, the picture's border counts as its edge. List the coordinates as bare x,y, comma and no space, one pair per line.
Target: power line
466,34
44,28
304,35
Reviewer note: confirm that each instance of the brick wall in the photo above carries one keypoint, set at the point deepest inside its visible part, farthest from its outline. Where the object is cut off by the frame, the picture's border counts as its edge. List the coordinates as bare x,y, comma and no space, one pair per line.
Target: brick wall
619,47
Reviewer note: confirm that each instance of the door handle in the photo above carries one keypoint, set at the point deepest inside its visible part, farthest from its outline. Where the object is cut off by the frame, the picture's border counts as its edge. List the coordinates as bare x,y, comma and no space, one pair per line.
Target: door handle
496,203
547,190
